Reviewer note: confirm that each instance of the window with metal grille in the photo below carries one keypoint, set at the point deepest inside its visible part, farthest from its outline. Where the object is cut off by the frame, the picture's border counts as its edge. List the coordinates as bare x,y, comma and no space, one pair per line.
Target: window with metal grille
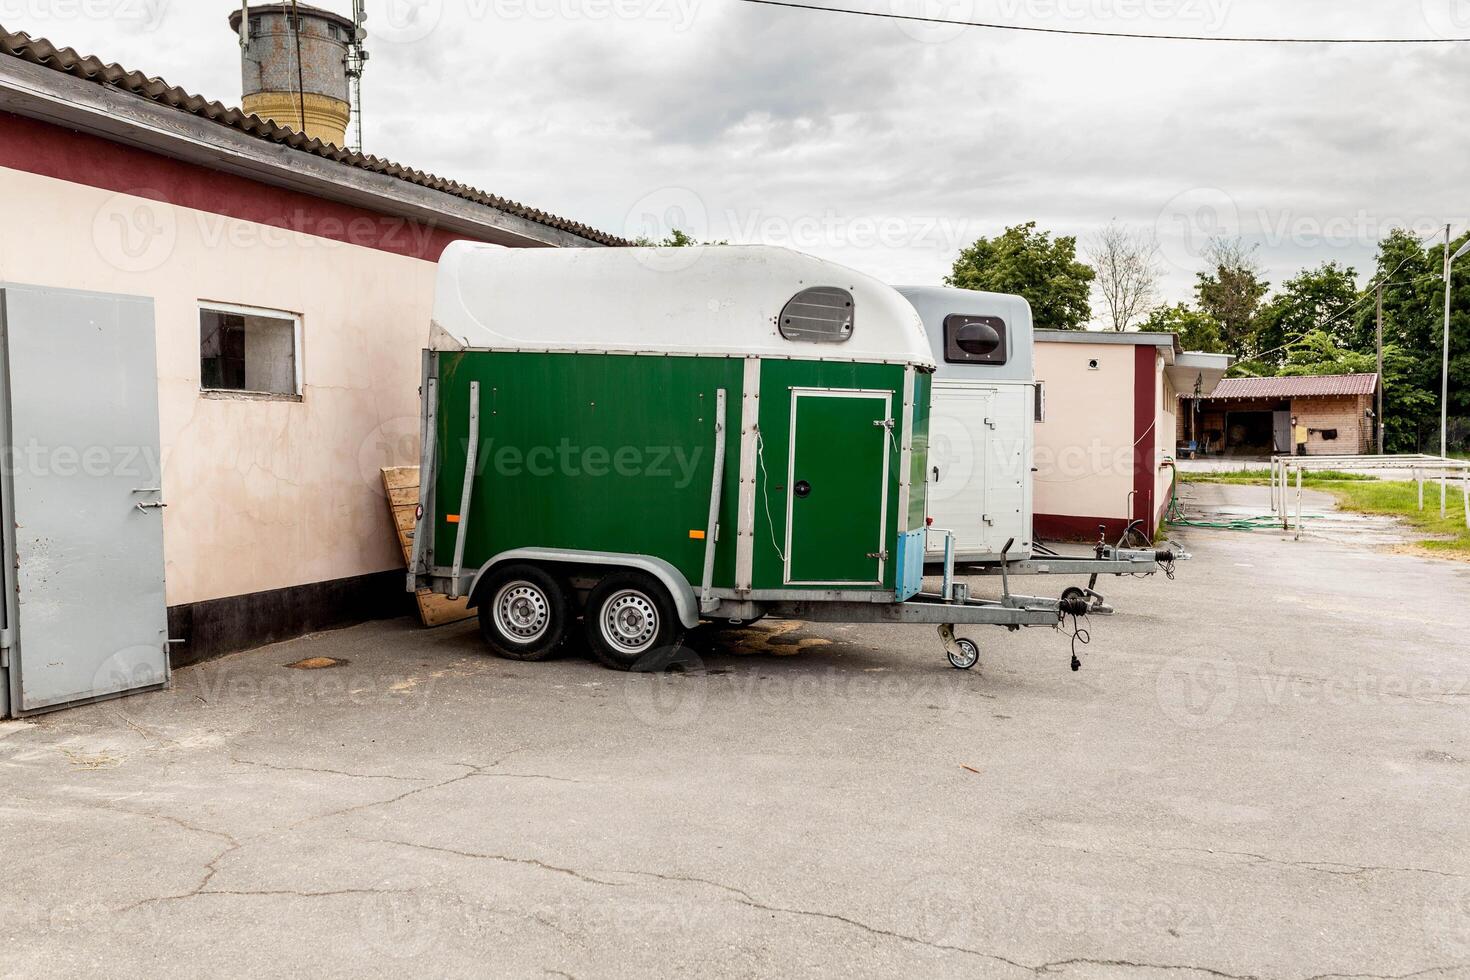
821,314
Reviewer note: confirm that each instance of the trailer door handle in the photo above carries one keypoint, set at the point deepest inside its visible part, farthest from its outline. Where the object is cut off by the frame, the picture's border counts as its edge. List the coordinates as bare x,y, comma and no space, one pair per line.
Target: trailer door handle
150,504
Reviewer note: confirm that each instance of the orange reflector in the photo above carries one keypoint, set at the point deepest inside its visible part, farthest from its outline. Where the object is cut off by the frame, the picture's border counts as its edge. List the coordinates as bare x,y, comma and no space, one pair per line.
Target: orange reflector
696,535
452,518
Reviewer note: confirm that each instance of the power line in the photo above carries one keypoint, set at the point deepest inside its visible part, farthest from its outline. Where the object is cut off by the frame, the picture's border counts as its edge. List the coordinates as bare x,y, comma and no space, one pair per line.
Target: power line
1072,32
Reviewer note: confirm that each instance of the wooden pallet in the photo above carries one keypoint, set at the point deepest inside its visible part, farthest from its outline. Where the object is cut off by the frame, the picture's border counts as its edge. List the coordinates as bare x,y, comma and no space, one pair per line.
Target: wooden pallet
401,484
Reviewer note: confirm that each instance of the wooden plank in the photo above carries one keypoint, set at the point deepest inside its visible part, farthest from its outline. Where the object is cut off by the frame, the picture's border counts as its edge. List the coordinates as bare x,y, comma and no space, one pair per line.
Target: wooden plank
401,484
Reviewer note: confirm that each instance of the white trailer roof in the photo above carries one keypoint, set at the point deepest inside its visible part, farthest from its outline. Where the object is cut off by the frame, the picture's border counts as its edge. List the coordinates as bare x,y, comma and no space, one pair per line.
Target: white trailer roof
936,303
715,299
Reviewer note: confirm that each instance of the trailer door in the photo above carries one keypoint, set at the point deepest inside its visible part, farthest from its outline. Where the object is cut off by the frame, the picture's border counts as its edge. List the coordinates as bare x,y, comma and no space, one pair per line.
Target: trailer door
837,500
83,499
960,429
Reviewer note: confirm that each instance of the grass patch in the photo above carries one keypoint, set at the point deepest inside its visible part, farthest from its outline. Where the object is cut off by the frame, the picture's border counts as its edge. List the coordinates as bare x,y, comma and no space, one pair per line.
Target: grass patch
1263,477
1401,500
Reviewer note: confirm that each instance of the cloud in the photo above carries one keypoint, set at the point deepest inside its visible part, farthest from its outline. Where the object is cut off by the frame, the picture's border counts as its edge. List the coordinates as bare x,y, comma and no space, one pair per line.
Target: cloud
890,146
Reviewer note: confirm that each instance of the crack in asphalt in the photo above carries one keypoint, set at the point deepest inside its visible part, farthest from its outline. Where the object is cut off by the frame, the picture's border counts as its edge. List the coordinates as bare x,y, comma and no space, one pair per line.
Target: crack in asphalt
329,772
504,858
1325,867
745,898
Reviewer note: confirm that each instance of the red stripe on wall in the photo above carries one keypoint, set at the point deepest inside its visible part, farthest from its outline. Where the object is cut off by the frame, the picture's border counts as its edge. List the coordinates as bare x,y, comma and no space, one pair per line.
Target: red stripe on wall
82,158
1145,439
1064,527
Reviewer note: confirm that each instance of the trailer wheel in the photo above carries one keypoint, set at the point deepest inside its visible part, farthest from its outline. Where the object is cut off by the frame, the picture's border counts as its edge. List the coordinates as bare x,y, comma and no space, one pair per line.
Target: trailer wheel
524,613
967,657
632,623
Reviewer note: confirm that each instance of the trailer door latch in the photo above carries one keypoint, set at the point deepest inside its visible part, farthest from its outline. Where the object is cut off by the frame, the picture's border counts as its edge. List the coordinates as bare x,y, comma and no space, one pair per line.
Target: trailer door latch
880,555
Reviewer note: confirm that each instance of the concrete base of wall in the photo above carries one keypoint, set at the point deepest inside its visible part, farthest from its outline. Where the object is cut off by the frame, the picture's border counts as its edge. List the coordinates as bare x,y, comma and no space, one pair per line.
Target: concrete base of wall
222,626
1057,527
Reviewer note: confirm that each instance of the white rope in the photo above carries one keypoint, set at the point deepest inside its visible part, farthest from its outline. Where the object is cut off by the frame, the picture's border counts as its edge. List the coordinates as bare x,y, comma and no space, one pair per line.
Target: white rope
760,455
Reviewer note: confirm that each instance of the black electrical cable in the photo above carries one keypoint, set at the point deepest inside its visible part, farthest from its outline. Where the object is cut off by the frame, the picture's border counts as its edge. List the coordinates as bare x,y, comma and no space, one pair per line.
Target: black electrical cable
300,71
1111,34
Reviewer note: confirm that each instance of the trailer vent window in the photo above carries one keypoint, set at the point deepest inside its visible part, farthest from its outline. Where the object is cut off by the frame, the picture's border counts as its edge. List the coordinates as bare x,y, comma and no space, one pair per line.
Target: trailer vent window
249,350
975,339
821,315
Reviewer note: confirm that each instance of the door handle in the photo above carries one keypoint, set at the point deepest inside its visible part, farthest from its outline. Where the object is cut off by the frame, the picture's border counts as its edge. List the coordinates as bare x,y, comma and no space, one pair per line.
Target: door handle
150,504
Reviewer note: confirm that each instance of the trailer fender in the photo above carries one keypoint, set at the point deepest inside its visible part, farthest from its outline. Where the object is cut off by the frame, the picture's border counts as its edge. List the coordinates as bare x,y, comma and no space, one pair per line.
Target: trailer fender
678,586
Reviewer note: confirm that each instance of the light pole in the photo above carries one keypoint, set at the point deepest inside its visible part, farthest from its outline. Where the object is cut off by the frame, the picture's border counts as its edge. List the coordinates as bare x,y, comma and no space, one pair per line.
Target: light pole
1444,391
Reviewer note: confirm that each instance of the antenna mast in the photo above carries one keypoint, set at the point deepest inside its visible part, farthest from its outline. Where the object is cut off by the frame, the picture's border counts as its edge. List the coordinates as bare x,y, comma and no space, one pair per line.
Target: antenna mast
357,56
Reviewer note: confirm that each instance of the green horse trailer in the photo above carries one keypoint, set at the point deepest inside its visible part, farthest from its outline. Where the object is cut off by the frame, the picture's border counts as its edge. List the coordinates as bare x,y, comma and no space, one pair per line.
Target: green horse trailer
640,439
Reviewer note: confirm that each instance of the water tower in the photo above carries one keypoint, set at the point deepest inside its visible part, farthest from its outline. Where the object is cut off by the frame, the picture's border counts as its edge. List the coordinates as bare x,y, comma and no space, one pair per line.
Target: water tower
300,66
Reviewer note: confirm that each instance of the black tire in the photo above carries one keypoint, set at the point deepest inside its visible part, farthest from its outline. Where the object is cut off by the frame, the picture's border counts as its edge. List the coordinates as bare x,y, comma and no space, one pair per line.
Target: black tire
632,624
968,656
524,613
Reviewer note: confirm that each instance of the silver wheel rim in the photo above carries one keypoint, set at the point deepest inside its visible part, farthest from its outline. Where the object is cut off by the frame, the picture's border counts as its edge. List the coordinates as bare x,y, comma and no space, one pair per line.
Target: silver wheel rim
522,611
629,621
968,655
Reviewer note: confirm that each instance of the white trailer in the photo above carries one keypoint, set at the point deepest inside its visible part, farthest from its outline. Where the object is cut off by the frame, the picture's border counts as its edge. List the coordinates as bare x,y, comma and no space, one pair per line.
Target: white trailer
982,440
981,427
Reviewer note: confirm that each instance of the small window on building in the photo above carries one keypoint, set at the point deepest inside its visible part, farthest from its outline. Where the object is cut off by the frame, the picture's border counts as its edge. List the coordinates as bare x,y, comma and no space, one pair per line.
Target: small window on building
1041,401
249,350
821,315
975,339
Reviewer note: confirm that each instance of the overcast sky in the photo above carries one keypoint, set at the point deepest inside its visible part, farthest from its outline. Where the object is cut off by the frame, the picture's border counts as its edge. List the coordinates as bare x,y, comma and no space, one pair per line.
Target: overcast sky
888,145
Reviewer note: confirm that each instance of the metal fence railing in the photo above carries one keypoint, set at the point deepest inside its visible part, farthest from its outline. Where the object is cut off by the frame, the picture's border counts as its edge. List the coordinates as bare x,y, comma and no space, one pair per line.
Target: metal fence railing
1417,467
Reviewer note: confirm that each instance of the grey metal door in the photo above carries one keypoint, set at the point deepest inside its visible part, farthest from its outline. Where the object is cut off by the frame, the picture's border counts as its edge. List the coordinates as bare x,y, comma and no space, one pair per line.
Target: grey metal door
1281,432
83,499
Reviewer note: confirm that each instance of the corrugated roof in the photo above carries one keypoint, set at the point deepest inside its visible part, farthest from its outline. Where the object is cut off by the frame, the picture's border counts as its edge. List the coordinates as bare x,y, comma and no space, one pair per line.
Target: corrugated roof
1306,386
39,51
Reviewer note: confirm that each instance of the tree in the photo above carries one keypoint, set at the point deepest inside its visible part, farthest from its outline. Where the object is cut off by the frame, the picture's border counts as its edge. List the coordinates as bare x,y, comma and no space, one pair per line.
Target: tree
1231,291
1127,264
1197,330
1413,318
1317,299
1029,263
677,238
